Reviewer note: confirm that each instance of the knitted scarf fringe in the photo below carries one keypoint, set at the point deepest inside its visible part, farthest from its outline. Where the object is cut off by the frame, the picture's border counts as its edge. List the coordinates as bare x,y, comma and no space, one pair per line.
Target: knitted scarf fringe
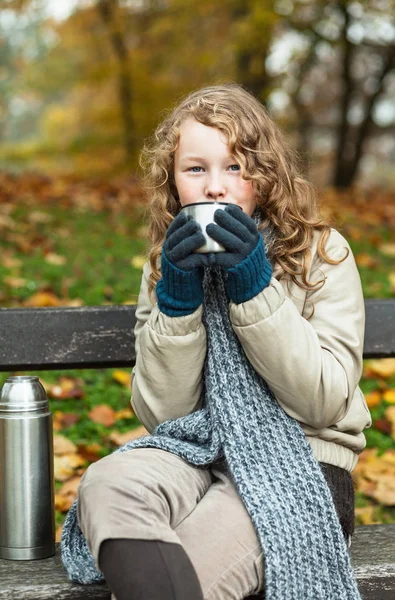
270,462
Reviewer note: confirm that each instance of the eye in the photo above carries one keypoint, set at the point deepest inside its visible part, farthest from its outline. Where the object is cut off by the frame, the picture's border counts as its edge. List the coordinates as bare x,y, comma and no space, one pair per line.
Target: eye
192,169
234,167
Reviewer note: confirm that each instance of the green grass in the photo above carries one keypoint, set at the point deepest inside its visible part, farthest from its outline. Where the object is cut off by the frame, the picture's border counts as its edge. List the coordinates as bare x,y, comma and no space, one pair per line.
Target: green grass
98,248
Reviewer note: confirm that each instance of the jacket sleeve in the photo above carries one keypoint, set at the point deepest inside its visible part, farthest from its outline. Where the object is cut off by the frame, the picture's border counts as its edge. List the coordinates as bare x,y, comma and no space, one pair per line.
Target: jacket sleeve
167,379
313,366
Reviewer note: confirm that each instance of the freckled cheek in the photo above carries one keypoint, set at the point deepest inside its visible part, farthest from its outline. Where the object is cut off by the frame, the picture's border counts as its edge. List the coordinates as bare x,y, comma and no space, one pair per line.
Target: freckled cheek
186,191
247,195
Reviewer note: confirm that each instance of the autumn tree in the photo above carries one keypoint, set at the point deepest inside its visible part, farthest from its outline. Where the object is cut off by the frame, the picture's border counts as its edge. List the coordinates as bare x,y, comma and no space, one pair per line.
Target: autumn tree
341,68
110,14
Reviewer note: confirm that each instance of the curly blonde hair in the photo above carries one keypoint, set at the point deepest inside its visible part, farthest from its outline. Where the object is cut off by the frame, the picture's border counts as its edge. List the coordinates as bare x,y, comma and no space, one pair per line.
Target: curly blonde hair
286,203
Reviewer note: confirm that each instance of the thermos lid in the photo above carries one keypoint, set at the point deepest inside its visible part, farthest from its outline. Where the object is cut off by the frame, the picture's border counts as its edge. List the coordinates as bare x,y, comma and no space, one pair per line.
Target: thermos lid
22,393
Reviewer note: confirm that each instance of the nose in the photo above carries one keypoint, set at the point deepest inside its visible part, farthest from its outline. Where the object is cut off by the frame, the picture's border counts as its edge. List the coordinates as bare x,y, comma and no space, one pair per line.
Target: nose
215,187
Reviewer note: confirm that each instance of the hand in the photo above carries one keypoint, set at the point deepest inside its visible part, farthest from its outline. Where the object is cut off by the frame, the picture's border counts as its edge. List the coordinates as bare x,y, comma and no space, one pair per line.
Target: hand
249,271
236,232
183,237
180,291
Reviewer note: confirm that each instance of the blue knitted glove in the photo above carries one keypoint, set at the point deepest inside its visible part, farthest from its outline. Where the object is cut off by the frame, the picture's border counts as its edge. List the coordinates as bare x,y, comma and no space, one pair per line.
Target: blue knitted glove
249,270
180,291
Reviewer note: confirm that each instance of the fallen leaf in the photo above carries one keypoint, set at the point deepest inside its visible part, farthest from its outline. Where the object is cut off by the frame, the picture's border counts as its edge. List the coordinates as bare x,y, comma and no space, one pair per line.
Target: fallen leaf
389,456
389,396
57,420
66,495
37,216
365,515
387,249
103,414
375,476
10,262
70,419
119,439
383,367
373,398
61,445
124,413
91,452
43,299
15,282
138,261
382,425
62,504
55,259
142,232
66,387
366,260
65,465
391,278
122,377
385,489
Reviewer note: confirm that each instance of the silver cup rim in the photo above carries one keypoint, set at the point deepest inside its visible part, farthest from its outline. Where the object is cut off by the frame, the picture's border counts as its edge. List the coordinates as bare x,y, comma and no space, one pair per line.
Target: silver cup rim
200,203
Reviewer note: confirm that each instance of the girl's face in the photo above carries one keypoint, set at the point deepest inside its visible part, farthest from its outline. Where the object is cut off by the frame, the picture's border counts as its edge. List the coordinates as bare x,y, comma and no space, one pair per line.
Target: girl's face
204,169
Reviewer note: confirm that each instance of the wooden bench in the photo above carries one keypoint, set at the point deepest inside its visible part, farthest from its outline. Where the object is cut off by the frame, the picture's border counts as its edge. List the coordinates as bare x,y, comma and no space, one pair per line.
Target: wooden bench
102,337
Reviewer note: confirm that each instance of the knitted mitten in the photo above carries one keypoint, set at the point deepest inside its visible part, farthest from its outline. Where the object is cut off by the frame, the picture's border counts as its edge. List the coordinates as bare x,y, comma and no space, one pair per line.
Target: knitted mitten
249,271
180,290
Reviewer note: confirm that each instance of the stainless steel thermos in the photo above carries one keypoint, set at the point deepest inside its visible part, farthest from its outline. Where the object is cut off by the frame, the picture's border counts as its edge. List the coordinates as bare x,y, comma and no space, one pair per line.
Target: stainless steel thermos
27,515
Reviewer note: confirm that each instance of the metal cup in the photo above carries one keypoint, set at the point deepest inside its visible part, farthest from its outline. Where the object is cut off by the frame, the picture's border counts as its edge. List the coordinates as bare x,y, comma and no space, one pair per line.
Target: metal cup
27,513
203,213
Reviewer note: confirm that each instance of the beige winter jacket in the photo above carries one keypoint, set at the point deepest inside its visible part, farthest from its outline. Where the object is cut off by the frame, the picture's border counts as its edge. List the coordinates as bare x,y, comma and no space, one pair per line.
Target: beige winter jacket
313,366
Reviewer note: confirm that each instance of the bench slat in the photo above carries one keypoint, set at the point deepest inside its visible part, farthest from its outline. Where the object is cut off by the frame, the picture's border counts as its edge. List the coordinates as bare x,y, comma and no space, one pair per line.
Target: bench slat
102,336
67,338
372,556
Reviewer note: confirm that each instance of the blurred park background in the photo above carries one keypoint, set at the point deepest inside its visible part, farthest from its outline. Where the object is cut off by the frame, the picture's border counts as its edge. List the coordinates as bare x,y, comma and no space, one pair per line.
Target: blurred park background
83,83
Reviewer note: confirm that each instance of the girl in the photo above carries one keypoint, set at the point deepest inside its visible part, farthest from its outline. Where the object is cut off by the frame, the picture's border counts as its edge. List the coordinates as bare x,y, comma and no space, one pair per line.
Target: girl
246,375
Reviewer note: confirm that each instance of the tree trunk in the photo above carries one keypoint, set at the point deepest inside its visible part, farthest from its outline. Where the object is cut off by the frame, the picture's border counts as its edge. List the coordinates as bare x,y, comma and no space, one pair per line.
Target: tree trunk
344,147
107,10
351,140
251,57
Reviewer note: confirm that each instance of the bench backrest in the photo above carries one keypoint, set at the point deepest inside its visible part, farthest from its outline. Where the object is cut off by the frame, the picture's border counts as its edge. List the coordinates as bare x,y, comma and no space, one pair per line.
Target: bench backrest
33,339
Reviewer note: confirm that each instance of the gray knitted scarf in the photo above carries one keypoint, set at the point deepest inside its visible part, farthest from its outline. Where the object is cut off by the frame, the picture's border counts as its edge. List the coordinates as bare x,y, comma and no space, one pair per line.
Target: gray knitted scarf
270,462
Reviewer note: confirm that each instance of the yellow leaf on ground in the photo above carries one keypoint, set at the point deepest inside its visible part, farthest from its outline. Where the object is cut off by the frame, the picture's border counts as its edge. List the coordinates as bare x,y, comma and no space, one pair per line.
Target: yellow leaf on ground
43,299
124,413
373,398
389,396
387,249
61,445
66,495
119,439
122,377
138,261
391,278
375,476
66,387
37,216
103,414
10,262
62,504
65,465
389,456
383,367
366,260
55,259
385,489
365,515
15,282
